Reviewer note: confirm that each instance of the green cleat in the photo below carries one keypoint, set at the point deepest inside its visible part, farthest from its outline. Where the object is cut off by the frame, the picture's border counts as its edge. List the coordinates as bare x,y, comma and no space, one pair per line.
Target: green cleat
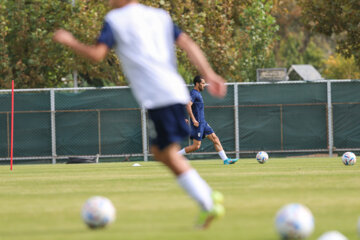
218,211
230,161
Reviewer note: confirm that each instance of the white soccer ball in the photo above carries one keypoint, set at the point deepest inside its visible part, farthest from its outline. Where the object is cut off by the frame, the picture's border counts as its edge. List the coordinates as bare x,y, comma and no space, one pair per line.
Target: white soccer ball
294,221
349,158
262,157
332,235
98,212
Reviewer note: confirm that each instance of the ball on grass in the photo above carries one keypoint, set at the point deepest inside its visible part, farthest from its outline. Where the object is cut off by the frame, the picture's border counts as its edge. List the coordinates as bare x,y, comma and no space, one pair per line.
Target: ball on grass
98,212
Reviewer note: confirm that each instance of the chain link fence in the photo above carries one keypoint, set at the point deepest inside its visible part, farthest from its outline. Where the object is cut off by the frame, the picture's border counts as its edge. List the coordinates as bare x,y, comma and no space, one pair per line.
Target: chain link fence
285,118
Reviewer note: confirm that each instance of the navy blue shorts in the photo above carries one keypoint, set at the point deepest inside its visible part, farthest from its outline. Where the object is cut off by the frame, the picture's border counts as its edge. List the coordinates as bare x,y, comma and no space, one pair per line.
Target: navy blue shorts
169,123
200,132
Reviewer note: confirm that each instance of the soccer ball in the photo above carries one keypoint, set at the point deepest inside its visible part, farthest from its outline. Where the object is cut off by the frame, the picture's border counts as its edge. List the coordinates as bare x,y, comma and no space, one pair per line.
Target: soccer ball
349,158
98,212
332,235
294,221
262,157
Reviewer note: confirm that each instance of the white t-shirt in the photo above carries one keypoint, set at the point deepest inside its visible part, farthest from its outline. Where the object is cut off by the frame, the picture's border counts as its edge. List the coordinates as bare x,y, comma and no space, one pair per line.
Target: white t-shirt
144,38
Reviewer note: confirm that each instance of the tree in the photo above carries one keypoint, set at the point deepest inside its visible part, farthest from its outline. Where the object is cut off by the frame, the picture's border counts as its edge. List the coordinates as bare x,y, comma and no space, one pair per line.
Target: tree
259,28
33,59
28,47
86,24
339,17
4,55
225,30
297,44
237,36
338,67
213,25
288,52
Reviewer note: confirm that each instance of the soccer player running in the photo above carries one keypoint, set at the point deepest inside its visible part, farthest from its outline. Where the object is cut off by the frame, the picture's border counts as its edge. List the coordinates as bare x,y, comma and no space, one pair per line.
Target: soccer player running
199,127
143,38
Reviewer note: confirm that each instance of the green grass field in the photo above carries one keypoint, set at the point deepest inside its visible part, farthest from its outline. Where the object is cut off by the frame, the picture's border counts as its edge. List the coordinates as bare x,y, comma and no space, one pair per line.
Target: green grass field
44,201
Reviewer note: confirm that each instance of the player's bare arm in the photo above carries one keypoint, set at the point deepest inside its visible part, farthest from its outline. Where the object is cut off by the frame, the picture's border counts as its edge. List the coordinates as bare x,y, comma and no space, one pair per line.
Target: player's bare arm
216,83
93,52
191,114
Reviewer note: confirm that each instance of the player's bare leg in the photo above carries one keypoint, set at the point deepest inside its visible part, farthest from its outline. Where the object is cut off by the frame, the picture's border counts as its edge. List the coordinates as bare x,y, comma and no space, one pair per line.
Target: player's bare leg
218,147
175,162
192,183
216,141
195,146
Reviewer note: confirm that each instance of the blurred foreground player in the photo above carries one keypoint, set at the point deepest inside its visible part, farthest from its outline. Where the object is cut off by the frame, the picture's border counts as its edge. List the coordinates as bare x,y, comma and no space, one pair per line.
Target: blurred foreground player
143,38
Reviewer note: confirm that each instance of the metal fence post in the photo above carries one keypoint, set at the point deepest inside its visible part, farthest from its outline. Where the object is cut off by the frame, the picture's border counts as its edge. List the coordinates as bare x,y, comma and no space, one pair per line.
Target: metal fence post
144,133
236,113
53,127
99,131
330,119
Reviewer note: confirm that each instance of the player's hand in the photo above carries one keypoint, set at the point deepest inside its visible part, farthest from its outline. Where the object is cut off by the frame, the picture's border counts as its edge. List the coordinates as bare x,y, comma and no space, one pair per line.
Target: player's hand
196,123
186,121
216,85
64,37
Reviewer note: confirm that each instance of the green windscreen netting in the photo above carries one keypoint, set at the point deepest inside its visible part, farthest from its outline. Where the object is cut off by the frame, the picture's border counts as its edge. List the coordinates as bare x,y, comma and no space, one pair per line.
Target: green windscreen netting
32,132
277,117
106,122
284,118
346,114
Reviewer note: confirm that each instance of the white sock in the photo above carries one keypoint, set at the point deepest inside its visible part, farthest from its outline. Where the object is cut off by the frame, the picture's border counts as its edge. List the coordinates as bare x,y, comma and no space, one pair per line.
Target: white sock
197,188
182,151
222,154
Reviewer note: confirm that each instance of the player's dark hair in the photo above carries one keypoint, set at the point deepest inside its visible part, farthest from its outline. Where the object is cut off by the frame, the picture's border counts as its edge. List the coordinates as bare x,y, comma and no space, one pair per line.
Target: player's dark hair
197,79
